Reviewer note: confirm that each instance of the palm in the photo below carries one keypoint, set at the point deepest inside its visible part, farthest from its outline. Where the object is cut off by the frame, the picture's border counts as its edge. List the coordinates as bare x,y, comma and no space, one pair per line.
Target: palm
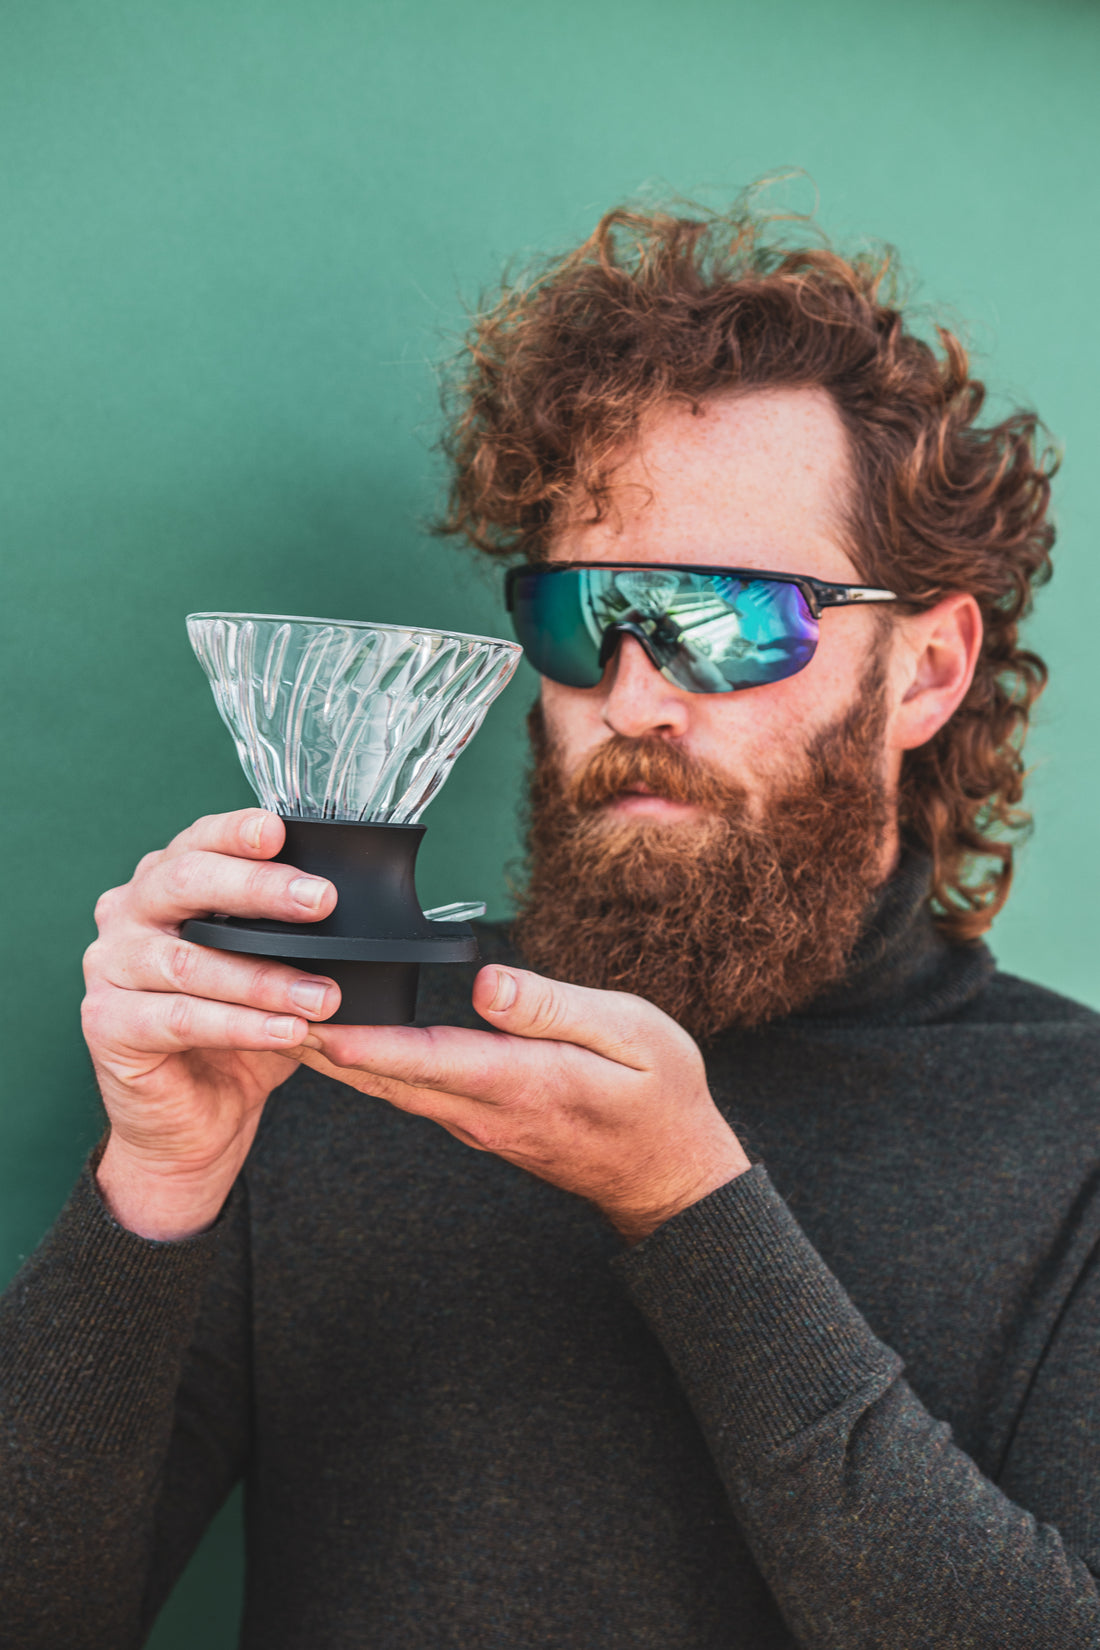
213,1098
188,1042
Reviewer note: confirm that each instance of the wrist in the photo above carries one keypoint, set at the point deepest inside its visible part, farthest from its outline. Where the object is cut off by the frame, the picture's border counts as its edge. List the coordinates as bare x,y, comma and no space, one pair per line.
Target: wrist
161,1202
638,1219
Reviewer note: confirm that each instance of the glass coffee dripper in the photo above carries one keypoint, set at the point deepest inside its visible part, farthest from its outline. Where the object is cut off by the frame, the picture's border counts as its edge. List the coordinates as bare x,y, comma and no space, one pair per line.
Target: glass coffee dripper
347,730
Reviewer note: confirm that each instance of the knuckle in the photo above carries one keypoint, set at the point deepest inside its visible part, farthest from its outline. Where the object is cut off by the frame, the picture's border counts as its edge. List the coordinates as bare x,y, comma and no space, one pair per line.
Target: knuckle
678,1042
268,983
646,1023
178,965
98,1017
181,878
180,1018
547,1009
182,839
106,906
91,1014
263,884
641,1012
93,961
235,1027
148,862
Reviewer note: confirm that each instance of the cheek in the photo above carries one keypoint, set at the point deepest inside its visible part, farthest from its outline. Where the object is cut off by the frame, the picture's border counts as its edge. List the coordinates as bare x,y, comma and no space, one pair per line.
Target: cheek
826,690
573,720
753,737
764,732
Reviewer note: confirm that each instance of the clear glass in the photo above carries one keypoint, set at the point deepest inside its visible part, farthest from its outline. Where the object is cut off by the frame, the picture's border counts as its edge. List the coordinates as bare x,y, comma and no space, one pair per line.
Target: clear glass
336,719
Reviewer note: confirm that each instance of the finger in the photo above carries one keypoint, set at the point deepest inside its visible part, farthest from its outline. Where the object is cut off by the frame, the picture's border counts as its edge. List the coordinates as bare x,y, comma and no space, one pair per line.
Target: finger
613,1024
194,882
468,1120
440,1061
248,833
162,962
163,1023
371,1083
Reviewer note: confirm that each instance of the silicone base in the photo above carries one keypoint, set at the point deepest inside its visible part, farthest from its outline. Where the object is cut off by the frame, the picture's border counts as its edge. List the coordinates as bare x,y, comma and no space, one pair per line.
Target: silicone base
371,993
374,941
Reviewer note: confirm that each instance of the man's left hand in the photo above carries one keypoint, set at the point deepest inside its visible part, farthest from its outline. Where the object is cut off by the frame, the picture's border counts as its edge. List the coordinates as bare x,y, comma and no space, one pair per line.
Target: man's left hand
597,1092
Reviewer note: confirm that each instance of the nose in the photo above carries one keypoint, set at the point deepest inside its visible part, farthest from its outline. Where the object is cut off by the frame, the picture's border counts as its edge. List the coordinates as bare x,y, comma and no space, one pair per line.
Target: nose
637,699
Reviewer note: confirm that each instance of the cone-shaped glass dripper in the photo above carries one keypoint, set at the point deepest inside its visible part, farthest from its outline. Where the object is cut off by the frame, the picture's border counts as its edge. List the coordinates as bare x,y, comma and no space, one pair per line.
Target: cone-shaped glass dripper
346,721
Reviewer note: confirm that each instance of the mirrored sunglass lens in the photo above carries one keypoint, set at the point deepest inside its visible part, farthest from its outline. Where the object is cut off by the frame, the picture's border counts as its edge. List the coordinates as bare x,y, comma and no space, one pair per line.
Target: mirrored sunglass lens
707,632
739,633
550,625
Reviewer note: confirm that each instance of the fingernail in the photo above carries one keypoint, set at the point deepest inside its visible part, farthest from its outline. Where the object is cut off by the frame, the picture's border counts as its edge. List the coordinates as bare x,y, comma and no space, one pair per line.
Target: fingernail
253,829
282,1026
308,994
308,891
505,992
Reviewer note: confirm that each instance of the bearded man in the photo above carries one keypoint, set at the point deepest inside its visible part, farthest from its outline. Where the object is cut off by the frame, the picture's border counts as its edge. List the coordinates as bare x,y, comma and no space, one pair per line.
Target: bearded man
763,1310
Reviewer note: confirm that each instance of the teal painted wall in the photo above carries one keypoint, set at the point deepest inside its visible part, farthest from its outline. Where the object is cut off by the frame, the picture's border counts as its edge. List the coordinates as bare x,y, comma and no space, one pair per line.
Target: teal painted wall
235,237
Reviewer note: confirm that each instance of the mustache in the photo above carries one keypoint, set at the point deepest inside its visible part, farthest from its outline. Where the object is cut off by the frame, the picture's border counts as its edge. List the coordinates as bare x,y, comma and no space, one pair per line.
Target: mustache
656,765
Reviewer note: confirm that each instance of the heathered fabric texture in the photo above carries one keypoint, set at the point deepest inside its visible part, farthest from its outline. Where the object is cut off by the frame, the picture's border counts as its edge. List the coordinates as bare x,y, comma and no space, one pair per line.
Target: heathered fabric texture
467,1416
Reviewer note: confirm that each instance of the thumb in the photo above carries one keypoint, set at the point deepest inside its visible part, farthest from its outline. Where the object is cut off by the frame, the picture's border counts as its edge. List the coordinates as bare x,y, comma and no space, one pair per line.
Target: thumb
610,1023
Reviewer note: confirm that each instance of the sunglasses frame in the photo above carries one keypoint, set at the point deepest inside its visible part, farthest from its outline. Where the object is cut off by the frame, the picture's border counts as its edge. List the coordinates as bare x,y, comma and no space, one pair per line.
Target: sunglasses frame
817,593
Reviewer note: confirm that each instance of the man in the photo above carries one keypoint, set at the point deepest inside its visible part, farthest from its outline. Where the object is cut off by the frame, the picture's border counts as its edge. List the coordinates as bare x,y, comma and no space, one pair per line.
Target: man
753,1118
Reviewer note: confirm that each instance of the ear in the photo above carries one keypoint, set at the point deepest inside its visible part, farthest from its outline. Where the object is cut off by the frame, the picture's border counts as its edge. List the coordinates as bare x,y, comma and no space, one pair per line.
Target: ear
934,660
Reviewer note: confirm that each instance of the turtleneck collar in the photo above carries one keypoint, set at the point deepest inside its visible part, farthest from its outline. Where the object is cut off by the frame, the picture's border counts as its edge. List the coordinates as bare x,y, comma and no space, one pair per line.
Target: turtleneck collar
902,971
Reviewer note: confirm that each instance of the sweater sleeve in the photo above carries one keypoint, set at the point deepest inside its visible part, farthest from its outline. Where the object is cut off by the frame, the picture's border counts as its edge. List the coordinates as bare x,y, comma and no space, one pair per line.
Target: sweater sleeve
871,1527
123,1420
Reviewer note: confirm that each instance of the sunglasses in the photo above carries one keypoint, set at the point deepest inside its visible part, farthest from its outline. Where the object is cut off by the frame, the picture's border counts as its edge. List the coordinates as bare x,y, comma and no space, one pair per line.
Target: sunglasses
706,629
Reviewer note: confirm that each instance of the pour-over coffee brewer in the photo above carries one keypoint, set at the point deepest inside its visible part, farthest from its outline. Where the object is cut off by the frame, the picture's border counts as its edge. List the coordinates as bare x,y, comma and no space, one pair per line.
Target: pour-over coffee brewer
347,731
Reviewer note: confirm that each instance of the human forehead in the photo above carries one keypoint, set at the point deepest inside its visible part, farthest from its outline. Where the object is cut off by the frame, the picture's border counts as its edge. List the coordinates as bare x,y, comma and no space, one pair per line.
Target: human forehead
758,479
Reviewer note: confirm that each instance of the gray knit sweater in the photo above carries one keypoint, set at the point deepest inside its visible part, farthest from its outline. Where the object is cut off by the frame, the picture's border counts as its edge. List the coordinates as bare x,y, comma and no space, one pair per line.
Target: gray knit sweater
848,1400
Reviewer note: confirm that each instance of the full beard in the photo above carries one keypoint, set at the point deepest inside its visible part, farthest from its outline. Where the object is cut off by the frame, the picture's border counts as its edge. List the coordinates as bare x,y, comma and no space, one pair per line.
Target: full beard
726,919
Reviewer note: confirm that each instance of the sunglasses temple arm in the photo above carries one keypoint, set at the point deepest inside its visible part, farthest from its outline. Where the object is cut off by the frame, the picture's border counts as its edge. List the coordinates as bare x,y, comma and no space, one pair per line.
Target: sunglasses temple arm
849,595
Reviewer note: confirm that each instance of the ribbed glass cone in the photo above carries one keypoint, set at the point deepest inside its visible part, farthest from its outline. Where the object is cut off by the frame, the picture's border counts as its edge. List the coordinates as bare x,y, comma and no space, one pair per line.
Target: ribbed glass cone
340,720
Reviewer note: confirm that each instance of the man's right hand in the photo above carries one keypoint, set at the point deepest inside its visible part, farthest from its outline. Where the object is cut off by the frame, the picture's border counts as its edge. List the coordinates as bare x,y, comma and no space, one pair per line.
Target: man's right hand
188,1042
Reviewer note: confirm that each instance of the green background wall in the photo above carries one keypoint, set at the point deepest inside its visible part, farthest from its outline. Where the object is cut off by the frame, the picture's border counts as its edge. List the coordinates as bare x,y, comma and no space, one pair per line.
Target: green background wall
236,235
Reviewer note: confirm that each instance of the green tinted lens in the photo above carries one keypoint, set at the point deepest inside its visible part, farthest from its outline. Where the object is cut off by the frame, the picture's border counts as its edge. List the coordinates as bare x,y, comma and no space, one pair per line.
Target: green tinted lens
705,632
551,626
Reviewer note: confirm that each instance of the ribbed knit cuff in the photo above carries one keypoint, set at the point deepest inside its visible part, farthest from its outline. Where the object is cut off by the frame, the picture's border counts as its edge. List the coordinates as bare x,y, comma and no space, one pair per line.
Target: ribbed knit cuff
764,1339
93,1327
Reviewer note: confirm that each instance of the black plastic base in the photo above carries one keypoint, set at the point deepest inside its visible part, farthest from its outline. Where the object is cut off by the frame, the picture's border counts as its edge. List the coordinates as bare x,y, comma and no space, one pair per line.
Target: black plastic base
374,941
371,993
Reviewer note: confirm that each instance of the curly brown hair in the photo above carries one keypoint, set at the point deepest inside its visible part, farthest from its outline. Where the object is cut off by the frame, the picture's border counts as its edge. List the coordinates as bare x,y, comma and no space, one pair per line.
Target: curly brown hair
557,372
